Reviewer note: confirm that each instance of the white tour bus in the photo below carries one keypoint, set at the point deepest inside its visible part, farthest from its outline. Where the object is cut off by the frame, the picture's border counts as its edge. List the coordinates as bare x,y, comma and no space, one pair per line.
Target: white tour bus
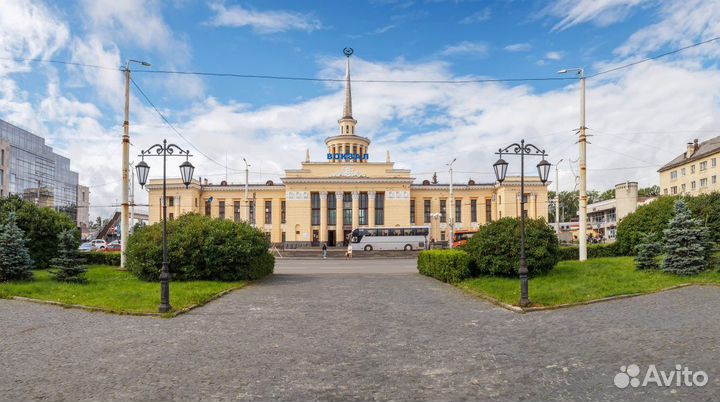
391,238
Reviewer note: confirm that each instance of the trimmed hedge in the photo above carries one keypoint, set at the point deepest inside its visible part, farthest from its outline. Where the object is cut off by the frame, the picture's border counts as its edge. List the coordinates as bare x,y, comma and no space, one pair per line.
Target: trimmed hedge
201,248
449,266
102,258
495,248
593,251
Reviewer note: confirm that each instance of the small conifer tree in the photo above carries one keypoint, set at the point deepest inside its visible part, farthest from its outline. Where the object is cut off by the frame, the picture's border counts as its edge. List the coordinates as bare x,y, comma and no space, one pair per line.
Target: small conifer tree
67,267
687,243
647,252
15,261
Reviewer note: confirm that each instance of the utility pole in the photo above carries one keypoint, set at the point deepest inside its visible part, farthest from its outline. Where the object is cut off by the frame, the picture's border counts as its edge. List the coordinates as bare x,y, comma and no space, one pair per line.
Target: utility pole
452,205
124,218
132,201
557,198
583,166
247,204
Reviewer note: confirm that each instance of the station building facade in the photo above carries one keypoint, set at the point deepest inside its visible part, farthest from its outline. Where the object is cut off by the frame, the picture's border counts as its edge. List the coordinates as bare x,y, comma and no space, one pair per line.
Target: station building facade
323,201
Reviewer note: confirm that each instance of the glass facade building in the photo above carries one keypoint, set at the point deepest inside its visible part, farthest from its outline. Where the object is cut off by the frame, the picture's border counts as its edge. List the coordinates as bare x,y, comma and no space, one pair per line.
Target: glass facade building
35,172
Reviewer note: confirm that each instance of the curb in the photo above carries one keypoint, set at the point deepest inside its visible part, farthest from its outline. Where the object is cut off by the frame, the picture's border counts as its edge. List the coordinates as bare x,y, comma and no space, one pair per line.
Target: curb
523,310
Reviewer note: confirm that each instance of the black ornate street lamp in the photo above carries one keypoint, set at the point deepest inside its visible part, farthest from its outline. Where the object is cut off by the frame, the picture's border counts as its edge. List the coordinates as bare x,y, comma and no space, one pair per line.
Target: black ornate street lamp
186,171
500,168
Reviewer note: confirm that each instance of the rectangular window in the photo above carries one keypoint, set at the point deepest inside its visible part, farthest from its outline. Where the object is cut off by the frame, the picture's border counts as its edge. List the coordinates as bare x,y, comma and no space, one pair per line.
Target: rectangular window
692,185
236,211
252,212
347,209
473,210
682,187
443,210
714,179
282,213
379,209
221,206
488,210
171,216
208,205
412,211
703,166
692,169
682,172
458,210
703,182
171,201
713,162
332,209
315,209
268,212
363,209
426,211
673,189
673,175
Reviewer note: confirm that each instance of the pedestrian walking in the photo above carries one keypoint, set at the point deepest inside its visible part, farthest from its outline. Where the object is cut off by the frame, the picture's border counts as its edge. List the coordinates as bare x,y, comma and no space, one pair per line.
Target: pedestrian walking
324,249
348,254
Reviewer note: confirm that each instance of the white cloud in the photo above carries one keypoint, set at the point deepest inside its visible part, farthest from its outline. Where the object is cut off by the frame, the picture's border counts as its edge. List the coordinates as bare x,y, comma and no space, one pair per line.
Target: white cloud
518,47
598,12
477,16
466,48
263,22
554,55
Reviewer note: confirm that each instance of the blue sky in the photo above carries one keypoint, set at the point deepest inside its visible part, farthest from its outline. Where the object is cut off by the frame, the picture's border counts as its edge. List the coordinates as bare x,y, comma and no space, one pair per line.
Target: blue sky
639,117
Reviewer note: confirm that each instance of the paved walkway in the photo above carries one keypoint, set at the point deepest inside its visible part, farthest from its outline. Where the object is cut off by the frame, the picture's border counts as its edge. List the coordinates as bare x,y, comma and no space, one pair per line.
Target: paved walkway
358,336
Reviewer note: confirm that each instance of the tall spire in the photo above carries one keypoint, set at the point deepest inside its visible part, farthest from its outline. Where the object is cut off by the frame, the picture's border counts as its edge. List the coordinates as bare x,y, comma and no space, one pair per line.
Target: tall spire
347,109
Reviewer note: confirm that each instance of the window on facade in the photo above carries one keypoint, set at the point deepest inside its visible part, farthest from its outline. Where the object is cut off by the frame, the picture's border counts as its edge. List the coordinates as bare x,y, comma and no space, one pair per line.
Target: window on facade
443,211
713,162
682,172
692,169
221,206
692,185
426,211
171,201
315,208
268,212
673,175
171,216
473,210
412,211
458,210
282,213
347,208
488,210
363,209
714,179
379,209
252,212
673,189
703,166
703,182
682,187
236,211
332,209
208,204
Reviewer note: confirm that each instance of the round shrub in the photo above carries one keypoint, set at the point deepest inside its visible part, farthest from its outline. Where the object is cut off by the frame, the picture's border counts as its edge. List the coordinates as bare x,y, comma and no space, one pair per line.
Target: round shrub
650,219
495,248
201,248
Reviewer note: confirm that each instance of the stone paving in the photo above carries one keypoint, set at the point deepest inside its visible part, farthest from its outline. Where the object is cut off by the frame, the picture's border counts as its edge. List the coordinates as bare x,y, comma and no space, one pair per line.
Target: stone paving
359,336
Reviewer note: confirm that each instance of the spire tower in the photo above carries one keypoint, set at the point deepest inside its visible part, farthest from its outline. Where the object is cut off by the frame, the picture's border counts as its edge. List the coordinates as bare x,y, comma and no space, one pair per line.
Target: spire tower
347,123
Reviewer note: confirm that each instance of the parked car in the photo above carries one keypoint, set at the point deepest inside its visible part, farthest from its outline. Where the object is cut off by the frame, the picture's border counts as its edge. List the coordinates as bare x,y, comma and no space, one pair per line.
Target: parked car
113,246
99,244
86,247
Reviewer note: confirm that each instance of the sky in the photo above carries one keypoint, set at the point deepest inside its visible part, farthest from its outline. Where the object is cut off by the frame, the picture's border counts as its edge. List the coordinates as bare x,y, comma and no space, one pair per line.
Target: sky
638,118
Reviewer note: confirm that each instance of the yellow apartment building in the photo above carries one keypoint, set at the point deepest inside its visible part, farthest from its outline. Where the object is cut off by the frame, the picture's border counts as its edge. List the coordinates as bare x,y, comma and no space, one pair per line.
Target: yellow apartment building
695,171
323,201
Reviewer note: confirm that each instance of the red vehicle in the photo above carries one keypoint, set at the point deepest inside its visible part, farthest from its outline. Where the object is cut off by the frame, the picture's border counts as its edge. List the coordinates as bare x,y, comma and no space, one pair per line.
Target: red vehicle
113,246
462,236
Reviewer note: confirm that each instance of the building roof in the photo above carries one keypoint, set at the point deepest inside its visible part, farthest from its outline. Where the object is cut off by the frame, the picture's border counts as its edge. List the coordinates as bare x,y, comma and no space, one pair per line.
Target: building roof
705,148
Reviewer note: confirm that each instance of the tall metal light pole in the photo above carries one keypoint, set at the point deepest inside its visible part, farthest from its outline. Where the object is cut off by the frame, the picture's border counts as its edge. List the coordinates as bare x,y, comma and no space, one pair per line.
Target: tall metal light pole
247,204
557,198
500,168
124,218
186,172
452,205
583,164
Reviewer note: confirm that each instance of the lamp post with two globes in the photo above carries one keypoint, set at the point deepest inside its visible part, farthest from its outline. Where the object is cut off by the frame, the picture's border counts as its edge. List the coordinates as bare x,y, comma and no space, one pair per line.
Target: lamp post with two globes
522,149
186,172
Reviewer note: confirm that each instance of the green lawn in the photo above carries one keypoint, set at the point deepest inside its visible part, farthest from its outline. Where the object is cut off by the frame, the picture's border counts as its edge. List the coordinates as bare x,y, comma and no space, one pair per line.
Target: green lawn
113,290
575,282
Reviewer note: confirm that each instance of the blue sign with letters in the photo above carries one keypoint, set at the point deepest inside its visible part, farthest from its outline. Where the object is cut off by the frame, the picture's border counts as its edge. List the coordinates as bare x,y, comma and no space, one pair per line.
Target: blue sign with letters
347,157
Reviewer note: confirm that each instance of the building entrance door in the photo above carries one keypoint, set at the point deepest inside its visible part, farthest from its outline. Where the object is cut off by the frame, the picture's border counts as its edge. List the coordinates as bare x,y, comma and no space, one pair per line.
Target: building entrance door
316,237
331,238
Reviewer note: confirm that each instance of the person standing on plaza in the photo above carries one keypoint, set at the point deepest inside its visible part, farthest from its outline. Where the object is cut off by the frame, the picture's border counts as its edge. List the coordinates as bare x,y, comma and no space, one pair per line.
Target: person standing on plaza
324,250
348,254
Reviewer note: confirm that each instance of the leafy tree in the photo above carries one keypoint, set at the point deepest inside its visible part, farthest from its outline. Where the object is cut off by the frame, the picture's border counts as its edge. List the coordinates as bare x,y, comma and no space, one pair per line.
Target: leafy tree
686,243
40,225
650,219
647,253
67,267
607,195
15,261
651,191
593,196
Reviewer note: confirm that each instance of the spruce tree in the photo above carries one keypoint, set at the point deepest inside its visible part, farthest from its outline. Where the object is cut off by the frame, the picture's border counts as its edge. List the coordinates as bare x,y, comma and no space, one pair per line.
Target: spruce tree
67,267
687,243
647,252
15,261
